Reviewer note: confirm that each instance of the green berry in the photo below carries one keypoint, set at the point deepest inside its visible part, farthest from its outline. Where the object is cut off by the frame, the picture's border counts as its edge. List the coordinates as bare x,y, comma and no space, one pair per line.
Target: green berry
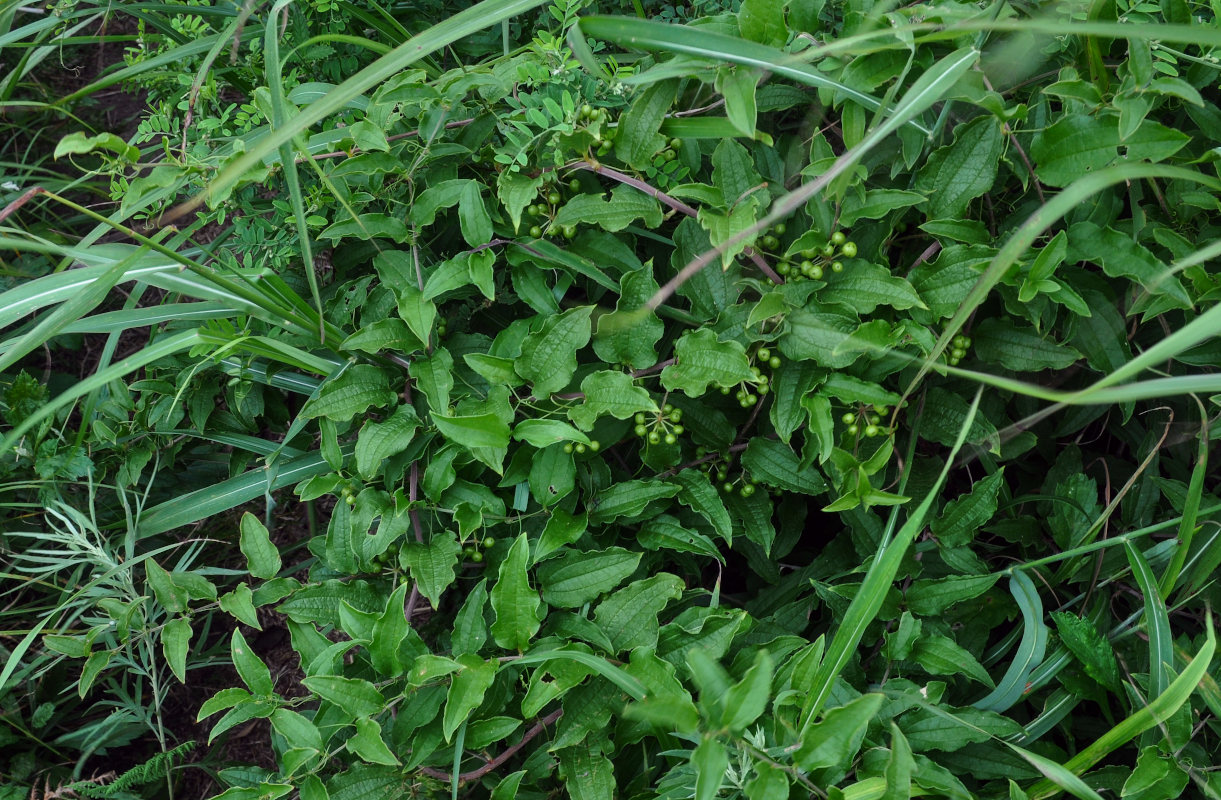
881,409
535,232
671,438
679,430
676,143
954,361
763,389
871,430
848,418
469,550
783,269
747,490
838,238
770,242
639,418
837,266
568,447
569,231
587,111
959,342
751,399
642,430
667,408
849,249
827,250
810,253
676,415
722,474
957,353
654,437
580,448
594,445
779,229
774,362
875,419
554,198
574,185
488,542
668,154
533,210
764,354
816,273
727,487
806,267
724,390
853,429
476,556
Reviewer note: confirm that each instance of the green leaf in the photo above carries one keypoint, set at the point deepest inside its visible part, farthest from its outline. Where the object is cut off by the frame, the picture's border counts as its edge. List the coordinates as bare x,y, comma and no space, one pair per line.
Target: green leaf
297,730
467,688
664,532
863,287
432,564
628,498
544,432
588,775
377,441
77,143
368,745
777,465
962,517
353,696
700,359
638,137
578,577
476,430
956,174
176,643
368,226
434,376
610,392
629,334
1089,646
625,206
240,604
1020,349
930,597
388,633
250,668
737,86
470,628
629,616
514,601
939,655
561,529
170,596
517,190
262,557
354,391
900,767
1073,146
1122,257
747,700
549,357
710,759
699,495
763,21
835,739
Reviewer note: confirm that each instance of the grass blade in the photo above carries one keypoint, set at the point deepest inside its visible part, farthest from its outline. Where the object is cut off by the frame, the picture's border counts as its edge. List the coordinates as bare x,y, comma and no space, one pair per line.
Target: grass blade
1030,651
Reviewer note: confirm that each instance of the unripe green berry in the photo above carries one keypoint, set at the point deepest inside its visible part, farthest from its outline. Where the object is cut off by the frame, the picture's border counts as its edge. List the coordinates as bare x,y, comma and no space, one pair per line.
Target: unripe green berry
676,143
594,445
679,430
670,438
871,430
554,198
806,267
957,353
642,430
853,429
770,242
875,419
837,266
535,232
764,354
654,437
639,418
849,249
568,448
488,542
880,409
954,361
827,250
476,556
469,550
722,474
774,362
667,408
838,238
676,415
747,490
569,231
668,154
574,185
848,418
580,448
816,273
763,389
728,487
779,229
783,269
724,390
587,111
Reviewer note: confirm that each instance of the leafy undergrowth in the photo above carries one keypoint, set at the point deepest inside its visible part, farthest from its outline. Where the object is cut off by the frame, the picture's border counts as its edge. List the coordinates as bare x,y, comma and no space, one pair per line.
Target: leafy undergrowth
701,401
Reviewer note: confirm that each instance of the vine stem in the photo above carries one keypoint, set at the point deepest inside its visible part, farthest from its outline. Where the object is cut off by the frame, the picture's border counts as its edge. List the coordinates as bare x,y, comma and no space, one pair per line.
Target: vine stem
508,753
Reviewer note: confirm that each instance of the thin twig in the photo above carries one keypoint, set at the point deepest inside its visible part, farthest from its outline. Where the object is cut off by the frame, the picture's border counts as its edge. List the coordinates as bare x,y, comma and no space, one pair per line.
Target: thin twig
508,753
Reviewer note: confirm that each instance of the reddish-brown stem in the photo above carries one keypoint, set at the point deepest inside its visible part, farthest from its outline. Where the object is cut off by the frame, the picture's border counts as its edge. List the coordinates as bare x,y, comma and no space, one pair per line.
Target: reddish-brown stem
509,752
28,195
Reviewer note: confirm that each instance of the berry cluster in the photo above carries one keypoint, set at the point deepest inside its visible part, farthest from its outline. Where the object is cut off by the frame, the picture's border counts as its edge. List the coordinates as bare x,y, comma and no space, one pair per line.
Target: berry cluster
744,484
815,261
958,349
872,419
543,211
663,427
579,448
589,115
472,551
348,495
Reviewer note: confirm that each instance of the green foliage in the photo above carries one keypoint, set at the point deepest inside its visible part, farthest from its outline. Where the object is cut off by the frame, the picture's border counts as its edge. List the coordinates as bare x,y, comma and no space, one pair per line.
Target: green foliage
810,400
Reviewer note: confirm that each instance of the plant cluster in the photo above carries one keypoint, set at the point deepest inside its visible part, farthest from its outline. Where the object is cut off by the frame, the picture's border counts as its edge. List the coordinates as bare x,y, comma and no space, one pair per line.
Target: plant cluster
810,400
